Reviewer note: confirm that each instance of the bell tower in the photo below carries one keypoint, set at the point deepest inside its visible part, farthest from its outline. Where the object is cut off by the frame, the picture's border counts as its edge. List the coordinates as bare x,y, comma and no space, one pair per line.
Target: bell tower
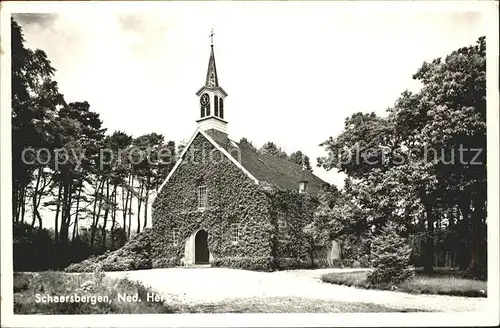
212,97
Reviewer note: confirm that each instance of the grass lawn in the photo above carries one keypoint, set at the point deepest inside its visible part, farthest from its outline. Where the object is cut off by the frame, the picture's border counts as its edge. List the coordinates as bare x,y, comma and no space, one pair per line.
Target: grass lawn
286,305
91,286
440,284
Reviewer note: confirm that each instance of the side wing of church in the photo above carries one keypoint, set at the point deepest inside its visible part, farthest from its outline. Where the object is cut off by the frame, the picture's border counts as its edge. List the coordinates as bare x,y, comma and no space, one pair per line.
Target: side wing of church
225,204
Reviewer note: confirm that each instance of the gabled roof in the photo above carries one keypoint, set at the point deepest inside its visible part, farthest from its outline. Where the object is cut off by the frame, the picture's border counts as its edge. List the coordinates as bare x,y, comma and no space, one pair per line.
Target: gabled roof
216,145
258,167
280,172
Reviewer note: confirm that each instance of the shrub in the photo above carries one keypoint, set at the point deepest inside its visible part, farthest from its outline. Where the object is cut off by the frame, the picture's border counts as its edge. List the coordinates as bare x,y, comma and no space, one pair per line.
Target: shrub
33,249
134,255
390,257
292,263
89,285
166,262
355,278
355,247
351,263
246,263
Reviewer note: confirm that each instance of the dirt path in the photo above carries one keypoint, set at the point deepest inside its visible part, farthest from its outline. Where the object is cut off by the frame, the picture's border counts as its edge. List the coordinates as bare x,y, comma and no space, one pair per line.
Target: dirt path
212,285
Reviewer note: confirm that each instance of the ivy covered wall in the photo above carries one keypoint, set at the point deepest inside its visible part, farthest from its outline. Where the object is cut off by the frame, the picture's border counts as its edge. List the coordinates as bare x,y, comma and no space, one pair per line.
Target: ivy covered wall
232,196
293,248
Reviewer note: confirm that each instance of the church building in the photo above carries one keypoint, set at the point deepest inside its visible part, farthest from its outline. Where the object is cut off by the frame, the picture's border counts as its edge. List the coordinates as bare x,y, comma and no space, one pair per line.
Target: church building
226,204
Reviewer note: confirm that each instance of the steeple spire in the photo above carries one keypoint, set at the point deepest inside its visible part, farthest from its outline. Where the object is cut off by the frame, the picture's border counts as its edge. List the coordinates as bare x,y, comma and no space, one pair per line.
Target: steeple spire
212,80
212,96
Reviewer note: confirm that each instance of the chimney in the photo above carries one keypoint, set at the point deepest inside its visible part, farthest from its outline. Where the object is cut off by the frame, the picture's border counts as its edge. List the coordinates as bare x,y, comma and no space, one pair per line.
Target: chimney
303,181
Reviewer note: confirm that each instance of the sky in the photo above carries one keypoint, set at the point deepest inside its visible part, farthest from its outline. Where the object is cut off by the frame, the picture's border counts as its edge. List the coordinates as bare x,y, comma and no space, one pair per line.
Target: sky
293,71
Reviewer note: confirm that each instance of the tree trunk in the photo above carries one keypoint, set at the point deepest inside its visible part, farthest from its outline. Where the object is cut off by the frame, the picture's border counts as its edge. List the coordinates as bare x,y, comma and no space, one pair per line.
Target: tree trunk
97,211
75,227
66,212
126,204
23,203
146,200
106,212
63,256
113,216
428,254
139,203
35,196
15,203
477,258
19,207
40,196
58,210
130,207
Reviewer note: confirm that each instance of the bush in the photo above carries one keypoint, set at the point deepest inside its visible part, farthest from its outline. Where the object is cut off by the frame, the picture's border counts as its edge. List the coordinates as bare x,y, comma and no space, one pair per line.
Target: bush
355,247
90,286
33,249
363,262
166,262
292,263
134,255
246,263
390,257
355,278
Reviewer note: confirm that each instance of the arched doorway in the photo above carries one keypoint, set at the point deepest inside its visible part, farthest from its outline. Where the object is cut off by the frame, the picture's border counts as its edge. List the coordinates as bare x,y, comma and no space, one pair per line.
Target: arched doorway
201,253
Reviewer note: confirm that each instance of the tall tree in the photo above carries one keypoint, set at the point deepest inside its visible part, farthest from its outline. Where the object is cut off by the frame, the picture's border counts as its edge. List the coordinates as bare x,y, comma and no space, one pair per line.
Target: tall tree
248,143
35,99
302,159
448,117
271,149
427,156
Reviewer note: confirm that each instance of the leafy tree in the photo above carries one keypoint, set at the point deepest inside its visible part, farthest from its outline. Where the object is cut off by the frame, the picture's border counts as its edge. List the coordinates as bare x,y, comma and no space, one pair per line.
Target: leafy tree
448,116
155,160
406,168
248,143
270,149
35,99
300,158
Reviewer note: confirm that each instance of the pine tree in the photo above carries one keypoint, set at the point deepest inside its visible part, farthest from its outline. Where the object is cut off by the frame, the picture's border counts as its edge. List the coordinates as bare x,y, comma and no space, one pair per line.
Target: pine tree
390,257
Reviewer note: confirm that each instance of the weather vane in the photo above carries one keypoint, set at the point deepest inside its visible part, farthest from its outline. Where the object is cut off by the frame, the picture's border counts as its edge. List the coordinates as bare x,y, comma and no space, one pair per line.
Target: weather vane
212,37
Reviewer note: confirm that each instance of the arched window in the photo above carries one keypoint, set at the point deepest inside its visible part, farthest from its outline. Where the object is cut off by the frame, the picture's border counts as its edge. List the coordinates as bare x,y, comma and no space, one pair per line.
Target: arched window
202,114
207,110
216,103
221,108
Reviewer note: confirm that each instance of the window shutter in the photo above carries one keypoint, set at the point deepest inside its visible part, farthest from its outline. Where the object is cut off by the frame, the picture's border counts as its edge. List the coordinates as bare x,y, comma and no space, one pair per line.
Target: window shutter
221,108
216,103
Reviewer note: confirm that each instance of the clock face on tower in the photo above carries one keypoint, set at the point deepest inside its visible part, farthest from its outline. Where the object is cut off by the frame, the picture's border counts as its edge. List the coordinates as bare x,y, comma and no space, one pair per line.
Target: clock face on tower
204,100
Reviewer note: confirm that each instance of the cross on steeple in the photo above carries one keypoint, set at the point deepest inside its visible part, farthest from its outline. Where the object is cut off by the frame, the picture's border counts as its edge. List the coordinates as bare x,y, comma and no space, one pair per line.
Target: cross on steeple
212,37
